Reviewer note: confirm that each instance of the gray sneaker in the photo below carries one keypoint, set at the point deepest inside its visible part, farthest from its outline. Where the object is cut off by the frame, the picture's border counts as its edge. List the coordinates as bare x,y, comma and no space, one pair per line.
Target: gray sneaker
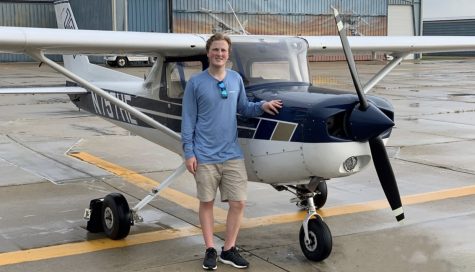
233,258
209,263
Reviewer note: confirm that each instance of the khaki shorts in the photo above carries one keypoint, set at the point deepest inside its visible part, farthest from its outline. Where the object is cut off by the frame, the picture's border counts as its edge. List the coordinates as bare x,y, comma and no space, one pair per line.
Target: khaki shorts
230,177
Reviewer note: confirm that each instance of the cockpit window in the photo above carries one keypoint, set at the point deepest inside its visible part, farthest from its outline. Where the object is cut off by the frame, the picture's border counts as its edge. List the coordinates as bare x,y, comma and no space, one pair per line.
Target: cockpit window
270,60
178,74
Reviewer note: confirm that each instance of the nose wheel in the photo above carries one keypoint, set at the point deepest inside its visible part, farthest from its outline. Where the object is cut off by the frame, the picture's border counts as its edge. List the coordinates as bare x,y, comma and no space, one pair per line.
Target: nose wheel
315,237
318,246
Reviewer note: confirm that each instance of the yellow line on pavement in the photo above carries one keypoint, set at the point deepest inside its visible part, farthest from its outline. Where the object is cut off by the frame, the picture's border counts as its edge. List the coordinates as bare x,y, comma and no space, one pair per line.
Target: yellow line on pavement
70,249
361,207
146,183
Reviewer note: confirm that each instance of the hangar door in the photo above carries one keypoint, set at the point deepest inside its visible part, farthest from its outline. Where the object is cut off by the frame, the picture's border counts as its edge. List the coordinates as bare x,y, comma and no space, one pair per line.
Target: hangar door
400,20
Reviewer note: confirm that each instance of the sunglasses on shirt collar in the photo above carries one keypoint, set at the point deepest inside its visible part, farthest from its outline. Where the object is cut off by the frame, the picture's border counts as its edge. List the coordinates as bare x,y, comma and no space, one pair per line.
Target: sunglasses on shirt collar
222,89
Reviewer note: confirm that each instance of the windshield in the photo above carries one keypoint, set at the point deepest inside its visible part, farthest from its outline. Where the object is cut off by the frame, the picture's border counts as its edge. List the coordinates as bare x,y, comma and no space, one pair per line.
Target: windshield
270,60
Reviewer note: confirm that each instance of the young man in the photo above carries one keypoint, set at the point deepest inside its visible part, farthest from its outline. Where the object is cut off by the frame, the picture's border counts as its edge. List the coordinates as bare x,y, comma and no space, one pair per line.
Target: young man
211,148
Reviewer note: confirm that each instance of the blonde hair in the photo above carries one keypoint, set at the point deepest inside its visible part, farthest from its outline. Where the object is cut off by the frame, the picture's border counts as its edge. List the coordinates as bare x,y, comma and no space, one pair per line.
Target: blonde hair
218,37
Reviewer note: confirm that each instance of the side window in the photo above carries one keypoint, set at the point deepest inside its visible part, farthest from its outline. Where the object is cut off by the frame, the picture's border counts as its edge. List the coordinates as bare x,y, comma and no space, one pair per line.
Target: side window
270,70
178,74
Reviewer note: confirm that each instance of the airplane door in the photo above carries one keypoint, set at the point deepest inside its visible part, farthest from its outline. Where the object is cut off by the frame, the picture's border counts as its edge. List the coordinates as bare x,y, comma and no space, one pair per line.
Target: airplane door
177,74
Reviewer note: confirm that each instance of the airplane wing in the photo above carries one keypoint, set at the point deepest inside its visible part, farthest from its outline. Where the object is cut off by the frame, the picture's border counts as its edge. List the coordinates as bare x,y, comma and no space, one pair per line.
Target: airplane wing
43,90
98,42
396,45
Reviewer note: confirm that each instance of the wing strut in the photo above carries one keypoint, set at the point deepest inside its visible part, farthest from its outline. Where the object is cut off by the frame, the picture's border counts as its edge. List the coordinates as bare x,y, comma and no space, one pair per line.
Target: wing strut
173,138
155,191
383,72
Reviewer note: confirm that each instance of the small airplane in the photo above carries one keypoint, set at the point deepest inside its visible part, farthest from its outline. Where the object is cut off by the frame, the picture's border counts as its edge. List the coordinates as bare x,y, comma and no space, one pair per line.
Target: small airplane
319,134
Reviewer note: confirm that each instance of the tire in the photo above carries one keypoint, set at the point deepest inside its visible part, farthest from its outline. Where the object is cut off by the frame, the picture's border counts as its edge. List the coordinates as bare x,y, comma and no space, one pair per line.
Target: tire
321,198
116,216
321,240
121,62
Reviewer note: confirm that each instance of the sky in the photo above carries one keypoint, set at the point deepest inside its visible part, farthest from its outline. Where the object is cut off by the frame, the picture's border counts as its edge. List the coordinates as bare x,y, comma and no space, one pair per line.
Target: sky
448,9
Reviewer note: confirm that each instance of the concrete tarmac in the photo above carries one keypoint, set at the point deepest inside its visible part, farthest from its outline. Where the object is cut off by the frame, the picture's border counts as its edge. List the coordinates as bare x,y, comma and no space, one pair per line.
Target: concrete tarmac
54,159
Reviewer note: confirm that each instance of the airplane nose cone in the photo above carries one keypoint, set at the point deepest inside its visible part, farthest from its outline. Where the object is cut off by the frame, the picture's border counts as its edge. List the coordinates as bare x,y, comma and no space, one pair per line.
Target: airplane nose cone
367,124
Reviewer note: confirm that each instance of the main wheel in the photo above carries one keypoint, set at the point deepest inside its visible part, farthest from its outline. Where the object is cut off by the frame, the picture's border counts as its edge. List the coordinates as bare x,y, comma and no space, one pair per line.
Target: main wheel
321,243
116,216
121,62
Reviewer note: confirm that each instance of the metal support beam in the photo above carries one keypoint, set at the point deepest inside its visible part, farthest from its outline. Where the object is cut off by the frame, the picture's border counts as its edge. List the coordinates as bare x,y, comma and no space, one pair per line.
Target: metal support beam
383,72
156,191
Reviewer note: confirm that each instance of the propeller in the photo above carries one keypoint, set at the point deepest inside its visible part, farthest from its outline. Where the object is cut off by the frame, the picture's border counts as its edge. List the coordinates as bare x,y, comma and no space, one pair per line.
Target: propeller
378,151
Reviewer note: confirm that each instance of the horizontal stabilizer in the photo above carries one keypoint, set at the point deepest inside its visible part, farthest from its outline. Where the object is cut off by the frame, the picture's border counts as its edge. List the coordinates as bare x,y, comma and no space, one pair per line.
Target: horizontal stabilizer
43,90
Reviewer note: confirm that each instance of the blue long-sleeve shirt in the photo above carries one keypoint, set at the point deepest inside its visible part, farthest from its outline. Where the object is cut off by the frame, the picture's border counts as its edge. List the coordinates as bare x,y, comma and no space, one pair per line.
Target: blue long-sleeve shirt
209,125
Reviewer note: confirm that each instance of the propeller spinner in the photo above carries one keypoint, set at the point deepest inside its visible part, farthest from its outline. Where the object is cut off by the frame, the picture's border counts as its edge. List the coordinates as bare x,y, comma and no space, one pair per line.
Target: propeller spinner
368,111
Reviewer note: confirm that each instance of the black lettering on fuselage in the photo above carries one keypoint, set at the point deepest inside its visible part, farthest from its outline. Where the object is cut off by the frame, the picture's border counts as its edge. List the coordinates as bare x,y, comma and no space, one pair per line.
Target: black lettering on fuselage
105,108
96,104
108,108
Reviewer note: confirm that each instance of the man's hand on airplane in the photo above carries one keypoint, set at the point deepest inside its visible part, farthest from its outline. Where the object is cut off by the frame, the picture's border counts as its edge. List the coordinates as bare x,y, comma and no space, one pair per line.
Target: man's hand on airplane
272,107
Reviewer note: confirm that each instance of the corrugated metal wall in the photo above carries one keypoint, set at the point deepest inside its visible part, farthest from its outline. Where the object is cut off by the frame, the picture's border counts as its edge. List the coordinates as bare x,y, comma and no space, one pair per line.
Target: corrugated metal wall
450,28
95,15
147,15
279,16
25,15
309,17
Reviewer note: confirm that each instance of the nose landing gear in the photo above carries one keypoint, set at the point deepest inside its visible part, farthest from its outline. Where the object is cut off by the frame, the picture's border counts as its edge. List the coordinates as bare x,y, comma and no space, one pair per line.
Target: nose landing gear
321,193
315,237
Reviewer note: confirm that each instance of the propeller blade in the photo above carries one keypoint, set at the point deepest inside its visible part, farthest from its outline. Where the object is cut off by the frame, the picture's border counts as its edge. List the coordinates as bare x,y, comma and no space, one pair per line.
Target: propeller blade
359,129
350,60
386,176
